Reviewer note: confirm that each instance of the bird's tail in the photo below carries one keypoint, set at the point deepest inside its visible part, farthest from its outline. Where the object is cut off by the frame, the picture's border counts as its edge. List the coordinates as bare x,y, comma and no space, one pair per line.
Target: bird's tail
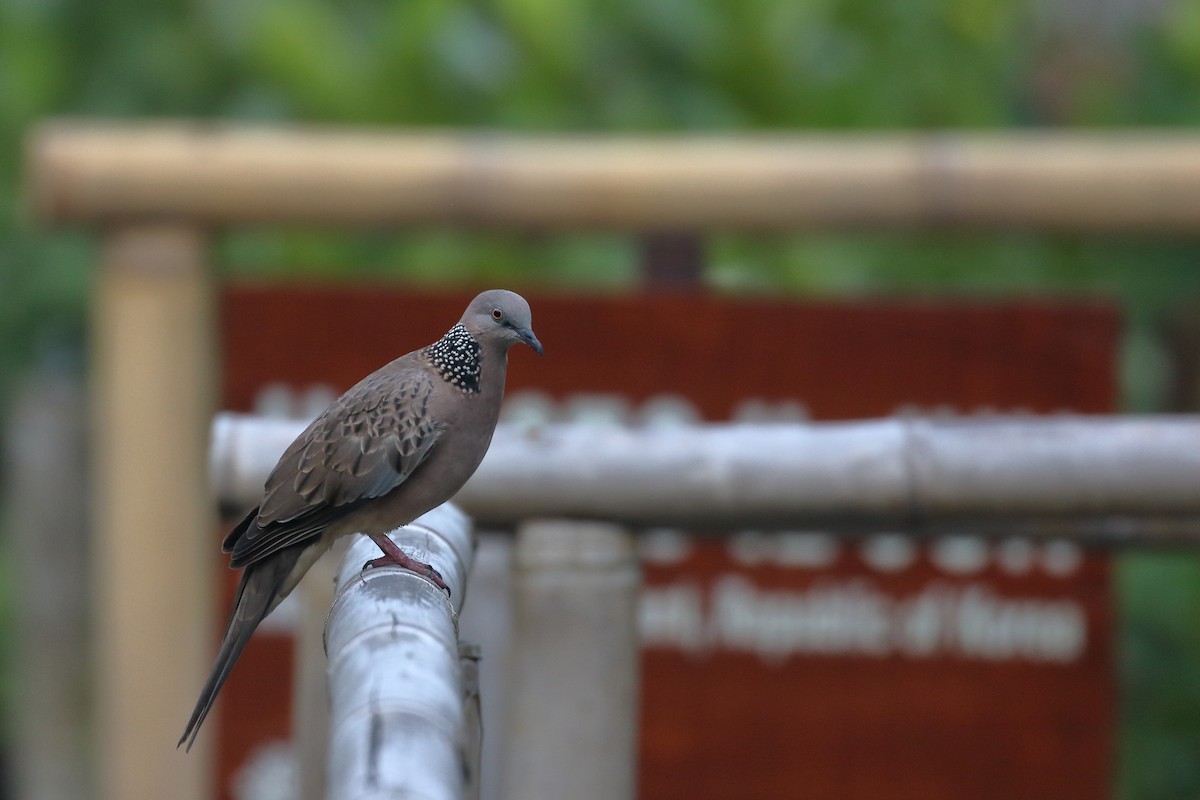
257,595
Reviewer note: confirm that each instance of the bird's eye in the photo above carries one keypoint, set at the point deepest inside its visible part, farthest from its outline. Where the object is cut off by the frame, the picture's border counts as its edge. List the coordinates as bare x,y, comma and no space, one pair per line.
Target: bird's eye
497,314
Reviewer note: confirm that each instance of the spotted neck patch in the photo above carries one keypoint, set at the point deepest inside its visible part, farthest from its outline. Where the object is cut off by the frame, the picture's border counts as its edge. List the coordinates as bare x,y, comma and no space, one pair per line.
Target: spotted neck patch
456,358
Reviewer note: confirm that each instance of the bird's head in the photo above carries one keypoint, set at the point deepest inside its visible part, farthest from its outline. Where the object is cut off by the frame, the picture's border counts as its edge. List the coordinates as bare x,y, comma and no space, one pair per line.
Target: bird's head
502,318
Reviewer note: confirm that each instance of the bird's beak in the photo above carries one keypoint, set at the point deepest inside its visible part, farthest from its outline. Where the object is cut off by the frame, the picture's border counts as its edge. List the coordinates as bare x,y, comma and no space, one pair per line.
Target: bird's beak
528,338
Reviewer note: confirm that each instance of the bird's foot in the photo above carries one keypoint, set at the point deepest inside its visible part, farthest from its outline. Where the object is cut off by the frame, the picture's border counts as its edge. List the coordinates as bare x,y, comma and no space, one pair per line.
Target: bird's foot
393,556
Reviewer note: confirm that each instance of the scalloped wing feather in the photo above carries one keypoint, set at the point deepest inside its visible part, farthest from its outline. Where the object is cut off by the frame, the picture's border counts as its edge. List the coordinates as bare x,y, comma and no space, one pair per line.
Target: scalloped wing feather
363,446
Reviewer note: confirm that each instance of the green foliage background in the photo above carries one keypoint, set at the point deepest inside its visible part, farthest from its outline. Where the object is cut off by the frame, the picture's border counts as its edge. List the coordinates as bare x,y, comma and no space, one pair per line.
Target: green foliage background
657,65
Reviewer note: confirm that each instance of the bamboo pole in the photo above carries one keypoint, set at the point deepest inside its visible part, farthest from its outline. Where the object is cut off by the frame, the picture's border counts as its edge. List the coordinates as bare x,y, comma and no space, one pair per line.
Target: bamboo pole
486,622
310,693
469,656
1128,181
152,376
397,716
46,494
572,697
1109,479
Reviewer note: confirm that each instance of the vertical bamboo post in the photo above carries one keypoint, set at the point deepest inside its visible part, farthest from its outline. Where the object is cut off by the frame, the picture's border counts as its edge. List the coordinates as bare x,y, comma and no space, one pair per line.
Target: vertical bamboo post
472,737
310,689
571,727
46,493
398,724
487,621
153,377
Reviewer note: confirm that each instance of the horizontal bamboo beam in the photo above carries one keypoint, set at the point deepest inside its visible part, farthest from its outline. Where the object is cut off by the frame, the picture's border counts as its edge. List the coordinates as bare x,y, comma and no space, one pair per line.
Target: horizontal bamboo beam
1126,181
1112,479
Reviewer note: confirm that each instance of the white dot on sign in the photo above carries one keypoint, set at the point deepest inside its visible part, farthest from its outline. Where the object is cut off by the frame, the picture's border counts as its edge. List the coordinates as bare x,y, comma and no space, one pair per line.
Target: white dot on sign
274,400
959,555
1015,556
664,546
755,410
750,548
527,409
888,552
1061,558
667,411
600,410
812,550
315,399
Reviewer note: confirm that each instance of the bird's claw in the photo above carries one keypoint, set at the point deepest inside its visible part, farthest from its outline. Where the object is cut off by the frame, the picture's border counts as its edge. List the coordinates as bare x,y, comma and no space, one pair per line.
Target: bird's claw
412,565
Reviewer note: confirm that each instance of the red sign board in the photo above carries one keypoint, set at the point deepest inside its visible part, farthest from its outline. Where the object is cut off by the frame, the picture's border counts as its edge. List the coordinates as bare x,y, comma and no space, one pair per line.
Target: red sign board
787,662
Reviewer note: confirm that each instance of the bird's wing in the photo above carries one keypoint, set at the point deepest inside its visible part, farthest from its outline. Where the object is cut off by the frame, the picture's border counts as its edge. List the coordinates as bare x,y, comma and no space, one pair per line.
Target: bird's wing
363,446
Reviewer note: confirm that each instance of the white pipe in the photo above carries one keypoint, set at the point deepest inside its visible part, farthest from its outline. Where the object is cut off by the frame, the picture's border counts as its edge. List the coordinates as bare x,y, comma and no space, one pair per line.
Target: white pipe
395,678
243,450
1130,474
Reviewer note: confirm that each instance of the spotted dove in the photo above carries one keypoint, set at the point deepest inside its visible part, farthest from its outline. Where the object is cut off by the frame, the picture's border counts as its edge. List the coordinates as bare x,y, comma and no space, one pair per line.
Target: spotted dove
400,442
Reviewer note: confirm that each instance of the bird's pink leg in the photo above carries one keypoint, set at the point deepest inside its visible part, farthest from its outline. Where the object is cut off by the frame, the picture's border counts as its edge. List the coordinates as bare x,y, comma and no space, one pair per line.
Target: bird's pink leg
393,556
